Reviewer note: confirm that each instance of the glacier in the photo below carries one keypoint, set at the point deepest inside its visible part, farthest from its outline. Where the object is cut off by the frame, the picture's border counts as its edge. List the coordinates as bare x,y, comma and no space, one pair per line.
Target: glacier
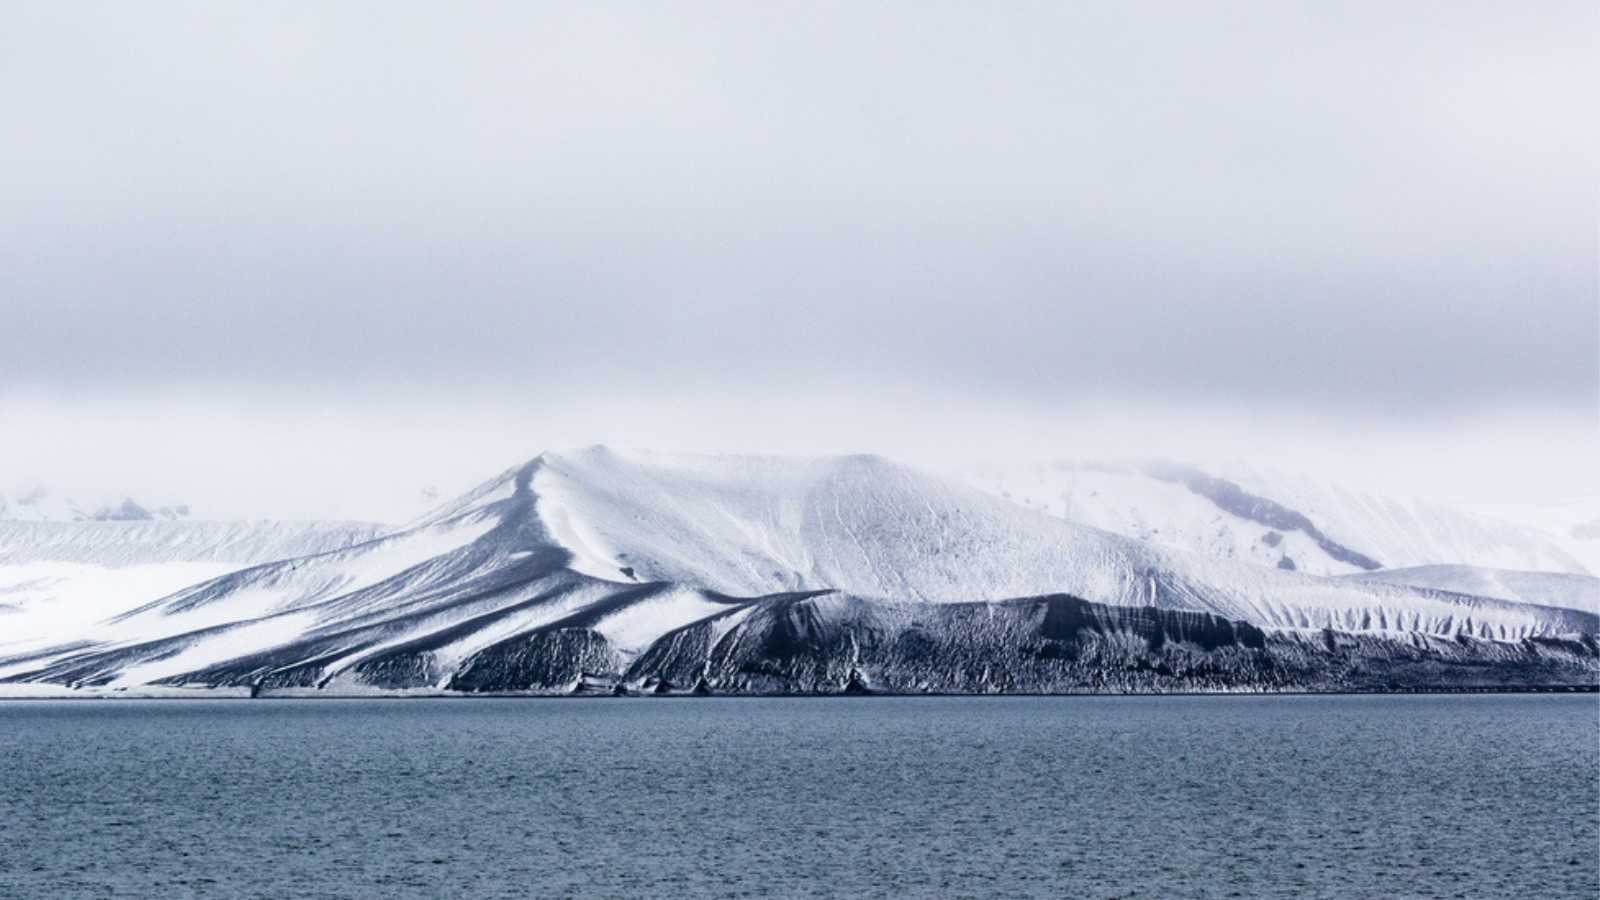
627,570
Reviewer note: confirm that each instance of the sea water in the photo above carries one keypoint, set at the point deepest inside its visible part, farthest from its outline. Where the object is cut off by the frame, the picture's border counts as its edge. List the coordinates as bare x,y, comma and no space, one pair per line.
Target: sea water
1196,796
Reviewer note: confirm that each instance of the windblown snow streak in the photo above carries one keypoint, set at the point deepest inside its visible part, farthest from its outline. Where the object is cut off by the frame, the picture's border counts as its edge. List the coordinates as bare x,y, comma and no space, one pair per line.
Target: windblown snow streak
604,570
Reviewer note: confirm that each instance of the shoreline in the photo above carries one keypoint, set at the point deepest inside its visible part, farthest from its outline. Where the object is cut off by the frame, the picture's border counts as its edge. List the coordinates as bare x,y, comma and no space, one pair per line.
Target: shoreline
243,694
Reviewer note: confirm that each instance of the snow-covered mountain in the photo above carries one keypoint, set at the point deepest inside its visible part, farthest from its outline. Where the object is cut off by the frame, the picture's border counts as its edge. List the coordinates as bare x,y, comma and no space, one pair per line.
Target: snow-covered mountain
58,575
1259,515
774,573
1546,588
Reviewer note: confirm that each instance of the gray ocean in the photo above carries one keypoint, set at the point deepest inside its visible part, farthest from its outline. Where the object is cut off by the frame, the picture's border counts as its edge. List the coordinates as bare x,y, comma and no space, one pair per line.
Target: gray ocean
1161,797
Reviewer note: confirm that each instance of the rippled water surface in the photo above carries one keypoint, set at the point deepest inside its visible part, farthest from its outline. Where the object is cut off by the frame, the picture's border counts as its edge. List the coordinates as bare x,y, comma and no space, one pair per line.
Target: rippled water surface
1454,796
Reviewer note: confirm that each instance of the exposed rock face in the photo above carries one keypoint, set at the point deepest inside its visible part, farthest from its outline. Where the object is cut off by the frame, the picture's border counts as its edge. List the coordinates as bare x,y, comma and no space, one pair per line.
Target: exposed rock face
538,661
842,644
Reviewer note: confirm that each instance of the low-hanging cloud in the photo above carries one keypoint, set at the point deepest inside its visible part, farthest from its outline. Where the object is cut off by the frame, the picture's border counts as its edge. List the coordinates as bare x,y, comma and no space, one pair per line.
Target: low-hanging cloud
1364,213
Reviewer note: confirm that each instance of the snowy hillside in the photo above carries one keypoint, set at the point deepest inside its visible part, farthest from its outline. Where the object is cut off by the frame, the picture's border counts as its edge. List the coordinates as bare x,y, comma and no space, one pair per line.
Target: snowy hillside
1575,526
1269,518
1545,588
586,561
57,576
746,526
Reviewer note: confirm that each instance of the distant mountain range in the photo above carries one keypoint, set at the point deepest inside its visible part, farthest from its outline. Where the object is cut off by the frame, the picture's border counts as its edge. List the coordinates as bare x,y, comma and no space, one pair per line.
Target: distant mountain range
38,505
601,569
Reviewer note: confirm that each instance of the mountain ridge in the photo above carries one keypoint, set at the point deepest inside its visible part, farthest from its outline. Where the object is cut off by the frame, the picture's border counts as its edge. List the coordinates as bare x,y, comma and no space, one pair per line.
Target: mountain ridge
599,558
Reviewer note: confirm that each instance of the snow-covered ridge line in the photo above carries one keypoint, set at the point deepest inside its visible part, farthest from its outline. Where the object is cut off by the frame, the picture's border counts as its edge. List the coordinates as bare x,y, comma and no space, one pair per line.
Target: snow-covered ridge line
747,526
586,560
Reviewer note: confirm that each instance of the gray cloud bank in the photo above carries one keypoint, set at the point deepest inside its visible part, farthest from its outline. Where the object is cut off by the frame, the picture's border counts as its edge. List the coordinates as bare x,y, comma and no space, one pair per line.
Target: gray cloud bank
1388,207
1363,210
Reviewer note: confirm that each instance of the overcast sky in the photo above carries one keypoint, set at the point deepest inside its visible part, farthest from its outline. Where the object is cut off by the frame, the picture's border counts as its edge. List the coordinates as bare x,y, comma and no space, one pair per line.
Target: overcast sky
343,251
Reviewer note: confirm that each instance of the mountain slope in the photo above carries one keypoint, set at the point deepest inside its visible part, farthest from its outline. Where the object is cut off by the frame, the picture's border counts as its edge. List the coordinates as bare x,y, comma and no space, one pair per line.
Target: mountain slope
57,576
1258,515
838,643
1546,588
748,526
585,562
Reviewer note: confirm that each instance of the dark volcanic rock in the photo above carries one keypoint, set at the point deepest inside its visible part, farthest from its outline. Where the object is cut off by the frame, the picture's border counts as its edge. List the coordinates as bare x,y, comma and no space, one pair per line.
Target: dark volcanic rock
543,660
837,643
855,684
